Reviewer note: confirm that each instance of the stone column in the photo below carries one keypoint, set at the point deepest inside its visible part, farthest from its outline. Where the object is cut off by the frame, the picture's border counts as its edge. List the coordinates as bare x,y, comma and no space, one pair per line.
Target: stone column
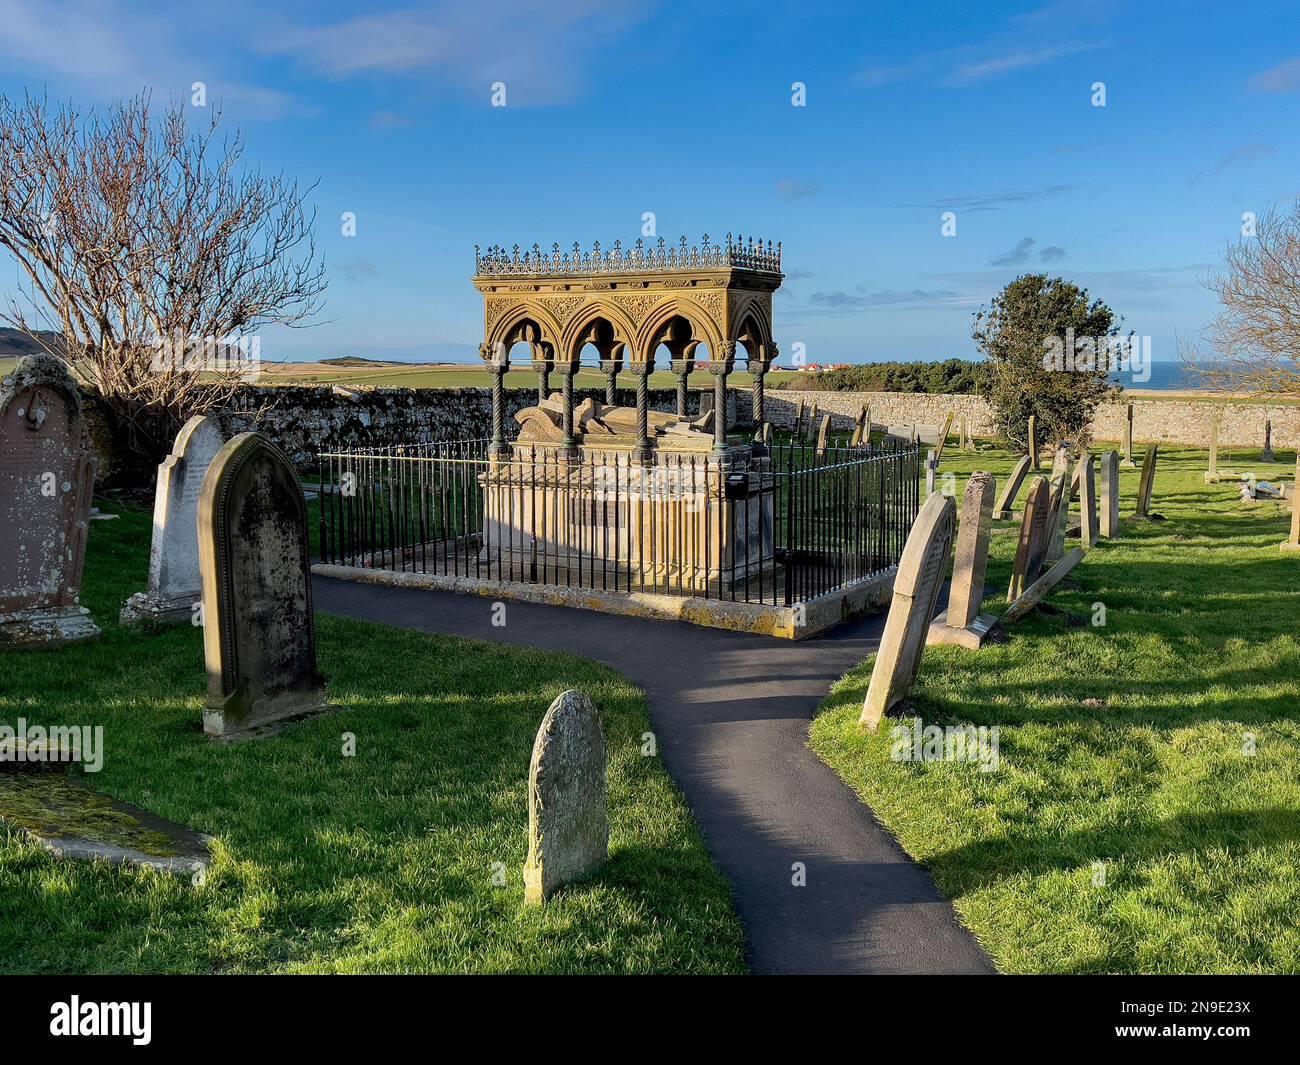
758,371
719,368
641,371
567,371
681,370
499,363
543,369
610,368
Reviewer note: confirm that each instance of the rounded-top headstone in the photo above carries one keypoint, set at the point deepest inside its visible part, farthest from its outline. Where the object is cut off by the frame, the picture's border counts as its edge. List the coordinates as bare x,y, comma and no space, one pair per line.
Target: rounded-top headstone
568,823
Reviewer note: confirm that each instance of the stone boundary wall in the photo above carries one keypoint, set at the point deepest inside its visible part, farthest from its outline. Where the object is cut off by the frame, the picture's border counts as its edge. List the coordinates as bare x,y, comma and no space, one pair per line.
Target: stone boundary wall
1177,421
304,420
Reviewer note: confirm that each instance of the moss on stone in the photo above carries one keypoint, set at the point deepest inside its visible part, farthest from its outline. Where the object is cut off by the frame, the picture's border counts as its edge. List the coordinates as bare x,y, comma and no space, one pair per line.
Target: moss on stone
52,806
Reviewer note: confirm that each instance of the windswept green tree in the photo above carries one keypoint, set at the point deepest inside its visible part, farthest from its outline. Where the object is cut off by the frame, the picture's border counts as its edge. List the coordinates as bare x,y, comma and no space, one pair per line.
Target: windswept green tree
1050,349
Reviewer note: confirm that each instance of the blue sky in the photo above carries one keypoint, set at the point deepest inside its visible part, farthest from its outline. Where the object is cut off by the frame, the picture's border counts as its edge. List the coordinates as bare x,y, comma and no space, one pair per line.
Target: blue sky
684,110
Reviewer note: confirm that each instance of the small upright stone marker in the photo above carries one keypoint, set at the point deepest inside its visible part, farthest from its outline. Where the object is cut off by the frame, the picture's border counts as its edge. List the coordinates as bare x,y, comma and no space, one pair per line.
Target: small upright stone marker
1109,494
568,822
962,623
921,570
47,477
931,468
1292,542
1212,474
1146,484
1002,510
174,582
798,420
1032,545
1267,454
966,443
1033,441
1128,439
259,632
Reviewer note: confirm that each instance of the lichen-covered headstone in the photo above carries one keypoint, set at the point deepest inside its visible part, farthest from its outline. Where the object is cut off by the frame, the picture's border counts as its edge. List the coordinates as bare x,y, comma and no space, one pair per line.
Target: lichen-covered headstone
259,632
46,481
962,623
174,582
1032,545
823,435
921,571
568,821
1059,520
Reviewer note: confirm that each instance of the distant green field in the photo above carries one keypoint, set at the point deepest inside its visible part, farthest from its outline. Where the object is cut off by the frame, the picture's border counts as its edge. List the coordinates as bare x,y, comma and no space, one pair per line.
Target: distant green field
469,376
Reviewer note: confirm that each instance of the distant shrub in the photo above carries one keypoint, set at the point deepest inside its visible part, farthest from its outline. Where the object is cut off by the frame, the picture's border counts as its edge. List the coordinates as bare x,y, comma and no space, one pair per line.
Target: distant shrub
952,377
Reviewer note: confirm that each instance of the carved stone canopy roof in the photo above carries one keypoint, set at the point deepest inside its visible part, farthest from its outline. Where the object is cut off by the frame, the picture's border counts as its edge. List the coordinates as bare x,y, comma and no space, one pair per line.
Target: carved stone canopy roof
626,303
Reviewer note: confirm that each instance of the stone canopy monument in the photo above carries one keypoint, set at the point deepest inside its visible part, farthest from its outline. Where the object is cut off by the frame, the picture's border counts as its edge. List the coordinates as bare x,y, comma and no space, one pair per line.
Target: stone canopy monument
46,484
626,304
259,632
174,582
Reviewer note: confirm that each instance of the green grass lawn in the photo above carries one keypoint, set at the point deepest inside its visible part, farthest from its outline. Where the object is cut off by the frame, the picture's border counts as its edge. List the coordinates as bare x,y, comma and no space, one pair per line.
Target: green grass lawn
381,862
1124,744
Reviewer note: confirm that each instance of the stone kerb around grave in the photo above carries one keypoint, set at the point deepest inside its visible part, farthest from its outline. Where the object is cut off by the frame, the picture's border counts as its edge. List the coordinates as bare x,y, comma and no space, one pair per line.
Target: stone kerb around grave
46,484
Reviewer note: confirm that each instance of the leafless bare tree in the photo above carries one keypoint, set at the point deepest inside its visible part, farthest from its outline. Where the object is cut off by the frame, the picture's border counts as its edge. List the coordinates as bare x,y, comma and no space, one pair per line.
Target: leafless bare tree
149,248
1253,344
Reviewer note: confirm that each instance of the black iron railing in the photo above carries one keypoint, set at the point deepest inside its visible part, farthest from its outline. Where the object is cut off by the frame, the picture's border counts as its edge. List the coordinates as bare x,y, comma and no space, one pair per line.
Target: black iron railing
782,528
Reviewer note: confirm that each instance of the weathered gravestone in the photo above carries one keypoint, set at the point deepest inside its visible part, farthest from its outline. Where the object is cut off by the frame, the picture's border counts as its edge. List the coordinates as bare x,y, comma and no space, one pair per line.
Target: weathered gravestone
259,632
46,482
943,439
1292,542
1033,441
798,420
174,582
1267,454
962,623
823,435
812,417
1109,494
1059,522
1002,509
931,468
1034,532
1128,438
1146,484
1038,591
1088,523
568,822
921,570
